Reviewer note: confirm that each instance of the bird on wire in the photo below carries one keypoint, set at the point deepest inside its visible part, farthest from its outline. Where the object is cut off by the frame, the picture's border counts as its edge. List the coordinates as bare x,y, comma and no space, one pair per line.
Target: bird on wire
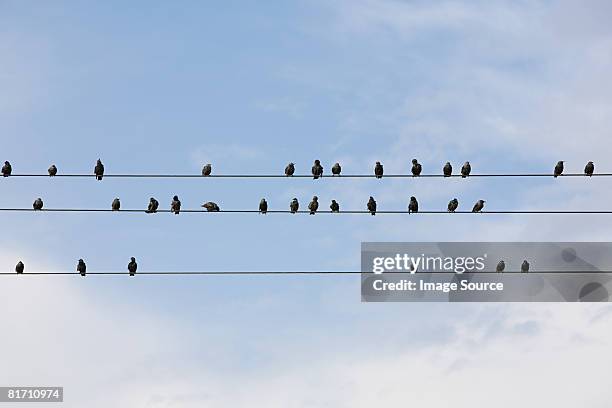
153,206
132,266
263,206
52,170
334,206
447,170
317,169
466,169
478,206
294,206
372,206
19,267
116,204
453,204
525,266
589,169
99,170
211,207
207,170
558,169
378,170
81,267
336,169
38,204
175,206
413,205
7,169
500,266
416,168
314,205
290,170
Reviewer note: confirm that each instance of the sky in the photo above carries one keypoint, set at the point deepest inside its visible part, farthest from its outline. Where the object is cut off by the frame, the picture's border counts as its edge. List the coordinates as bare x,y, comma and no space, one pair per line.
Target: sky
165,87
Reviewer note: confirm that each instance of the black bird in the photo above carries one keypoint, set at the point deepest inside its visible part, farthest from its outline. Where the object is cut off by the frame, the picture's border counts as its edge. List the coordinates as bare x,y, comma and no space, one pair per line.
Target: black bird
372,206
211,207
558,168
500,266
175,206
413,205
263,206
448,169
294,206
132,266
478,206
466,169
81,267
314,205
334,207
116,205
589,169
453,204
153,206
337,169
19,267
52,170
378,170
416,168
7,169
99,170
38,204
290,170
207,169
525,266
317,169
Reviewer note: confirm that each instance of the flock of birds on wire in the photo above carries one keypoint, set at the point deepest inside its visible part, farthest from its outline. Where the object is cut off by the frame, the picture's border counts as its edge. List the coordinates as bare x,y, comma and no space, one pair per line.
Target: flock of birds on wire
313,206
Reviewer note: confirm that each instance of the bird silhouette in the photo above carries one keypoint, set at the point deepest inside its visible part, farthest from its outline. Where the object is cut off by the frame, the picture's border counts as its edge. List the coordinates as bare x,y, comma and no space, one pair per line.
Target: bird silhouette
558,169
7,169
38,204
500,266
413,205
132,266
466,169
175,206
211,207
99,170
525,266
317,169
447,170
336,169
153,206
416,168
378,170
116,205
478,206
314,205
372,206
263,206
52,170
81,267
453,204
19,267
207,170
334,206
589,169
294,206
290,170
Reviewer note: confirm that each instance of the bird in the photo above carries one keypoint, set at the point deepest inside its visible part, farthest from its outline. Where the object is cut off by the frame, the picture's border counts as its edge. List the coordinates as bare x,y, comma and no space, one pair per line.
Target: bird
501,265
525,266
336,169
263,206
466,169
132,266
448,169
314,205
52,170
334,207
453,204
99,170
558,168
317,169
81,267
416,168
294,206
38,204
290,170
589,169
210,206
478,206
372,206
19,267
7,169
413,205
116,205
152,207
378,170
175,206
207,169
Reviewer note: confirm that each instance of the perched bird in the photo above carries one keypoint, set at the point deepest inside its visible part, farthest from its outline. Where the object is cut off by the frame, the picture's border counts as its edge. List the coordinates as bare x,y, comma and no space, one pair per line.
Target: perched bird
81,267
525,266
558,168
314,205
337,169
416,168
589,169
294,206
19,267
378,170
453,204
132,266
413,205
448,169
500,266
116,205
263,206
175,205
372,206
153,206
38,204
7,169
210,206
478,206
99,170
466,169
317,169
290,170
52,170
334,207
207,169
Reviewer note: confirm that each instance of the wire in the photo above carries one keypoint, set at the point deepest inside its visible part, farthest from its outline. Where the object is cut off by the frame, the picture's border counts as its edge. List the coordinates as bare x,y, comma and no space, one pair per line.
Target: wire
229,273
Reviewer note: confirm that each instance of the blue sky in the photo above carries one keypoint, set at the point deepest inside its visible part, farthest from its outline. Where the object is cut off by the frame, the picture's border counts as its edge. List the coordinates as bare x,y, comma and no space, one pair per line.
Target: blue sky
249,86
